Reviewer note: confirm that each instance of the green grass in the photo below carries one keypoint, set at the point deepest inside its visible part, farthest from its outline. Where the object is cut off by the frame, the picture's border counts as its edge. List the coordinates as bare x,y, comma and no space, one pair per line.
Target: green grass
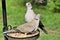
50,37
16,11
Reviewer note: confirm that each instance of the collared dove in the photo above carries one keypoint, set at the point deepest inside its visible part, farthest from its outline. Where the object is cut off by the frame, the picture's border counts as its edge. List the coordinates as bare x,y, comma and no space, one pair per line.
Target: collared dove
28,27
29,16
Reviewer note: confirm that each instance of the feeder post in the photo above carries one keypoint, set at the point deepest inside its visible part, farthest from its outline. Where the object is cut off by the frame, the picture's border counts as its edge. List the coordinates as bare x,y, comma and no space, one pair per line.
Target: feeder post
5,28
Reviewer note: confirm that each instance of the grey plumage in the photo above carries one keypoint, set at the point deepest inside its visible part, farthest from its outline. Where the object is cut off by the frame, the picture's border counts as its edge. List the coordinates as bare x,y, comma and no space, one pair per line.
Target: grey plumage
31,26
30,15
28,27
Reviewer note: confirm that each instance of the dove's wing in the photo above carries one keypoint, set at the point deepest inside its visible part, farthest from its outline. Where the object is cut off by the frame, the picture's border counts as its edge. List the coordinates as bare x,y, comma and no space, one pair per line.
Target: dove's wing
25,28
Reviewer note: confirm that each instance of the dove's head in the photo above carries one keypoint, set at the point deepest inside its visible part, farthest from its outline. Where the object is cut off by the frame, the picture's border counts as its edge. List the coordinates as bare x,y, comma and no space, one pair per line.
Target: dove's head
28,5
36,21
38,16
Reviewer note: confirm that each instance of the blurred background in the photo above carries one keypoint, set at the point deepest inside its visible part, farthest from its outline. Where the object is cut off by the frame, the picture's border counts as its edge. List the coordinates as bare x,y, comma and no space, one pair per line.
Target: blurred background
49,9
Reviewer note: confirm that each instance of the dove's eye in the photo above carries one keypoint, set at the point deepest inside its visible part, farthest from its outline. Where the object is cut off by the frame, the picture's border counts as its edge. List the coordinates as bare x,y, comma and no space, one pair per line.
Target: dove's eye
36,19
28,4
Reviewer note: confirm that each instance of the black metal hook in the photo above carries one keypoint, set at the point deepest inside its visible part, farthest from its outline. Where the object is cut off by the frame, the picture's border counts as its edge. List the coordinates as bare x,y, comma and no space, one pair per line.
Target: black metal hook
9,27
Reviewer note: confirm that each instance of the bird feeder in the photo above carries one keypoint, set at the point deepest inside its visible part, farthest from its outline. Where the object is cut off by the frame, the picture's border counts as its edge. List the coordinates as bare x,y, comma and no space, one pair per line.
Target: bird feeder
12,36
34,36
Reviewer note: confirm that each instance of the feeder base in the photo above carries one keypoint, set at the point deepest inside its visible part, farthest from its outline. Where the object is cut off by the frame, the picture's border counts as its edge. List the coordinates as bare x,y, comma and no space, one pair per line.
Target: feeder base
33,36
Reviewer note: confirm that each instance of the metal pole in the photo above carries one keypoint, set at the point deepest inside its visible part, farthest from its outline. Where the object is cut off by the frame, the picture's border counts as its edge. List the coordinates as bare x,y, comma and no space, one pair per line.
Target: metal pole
5,28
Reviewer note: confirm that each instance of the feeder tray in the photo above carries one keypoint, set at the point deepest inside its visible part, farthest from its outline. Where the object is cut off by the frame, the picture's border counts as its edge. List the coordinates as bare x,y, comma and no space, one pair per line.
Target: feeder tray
21,36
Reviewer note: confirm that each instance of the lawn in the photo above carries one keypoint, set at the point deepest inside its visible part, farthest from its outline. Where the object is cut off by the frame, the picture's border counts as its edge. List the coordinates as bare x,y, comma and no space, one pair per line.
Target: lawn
15,16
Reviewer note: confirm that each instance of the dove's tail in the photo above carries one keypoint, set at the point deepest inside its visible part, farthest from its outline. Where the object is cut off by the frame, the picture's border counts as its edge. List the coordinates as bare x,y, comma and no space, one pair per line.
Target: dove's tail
44,30
9,31
41,26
